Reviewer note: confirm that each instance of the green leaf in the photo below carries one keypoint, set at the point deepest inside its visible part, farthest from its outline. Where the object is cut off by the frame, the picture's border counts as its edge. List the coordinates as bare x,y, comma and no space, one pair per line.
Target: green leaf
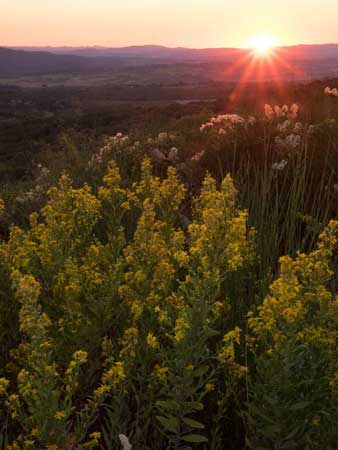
194,406
167,405
201,371
255,411
170,424
193,423
300,405
272,430
292,434
194,438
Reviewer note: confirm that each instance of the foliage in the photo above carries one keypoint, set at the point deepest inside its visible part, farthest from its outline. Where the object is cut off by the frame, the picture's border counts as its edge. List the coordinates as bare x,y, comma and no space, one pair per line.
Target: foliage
158,301
294,338
127,276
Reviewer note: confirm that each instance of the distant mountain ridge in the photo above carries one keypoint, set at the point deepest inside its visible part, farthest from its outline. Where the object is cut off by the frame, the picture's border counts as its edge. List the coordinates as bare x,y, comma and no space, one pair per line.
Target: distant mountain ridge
142,51
316,61
157,51
19,62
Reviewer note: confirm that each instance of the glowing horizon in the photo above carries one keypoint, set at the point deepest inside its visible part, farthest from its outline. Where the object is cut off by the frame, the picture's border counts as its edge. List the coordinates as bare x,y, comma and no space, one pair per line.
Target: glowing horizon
262,44
184,23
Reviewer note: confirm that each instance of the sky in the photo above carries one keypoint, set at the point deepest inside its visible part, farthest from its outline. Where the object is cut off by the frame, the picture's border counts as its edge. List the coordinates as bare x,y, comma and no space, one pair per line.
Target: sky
188,23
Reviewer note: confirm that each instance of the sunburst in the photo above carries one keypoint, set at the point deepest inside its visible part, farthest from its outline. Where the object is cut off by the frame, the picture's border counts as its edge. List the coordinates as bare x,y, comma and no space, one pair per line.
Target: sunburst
261,61
262,44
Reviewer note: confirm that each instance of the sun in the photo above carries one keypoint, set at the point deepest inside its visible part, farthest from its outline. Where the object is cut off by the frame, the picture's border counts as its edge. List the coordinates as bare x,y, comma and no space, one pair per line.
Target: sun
262,44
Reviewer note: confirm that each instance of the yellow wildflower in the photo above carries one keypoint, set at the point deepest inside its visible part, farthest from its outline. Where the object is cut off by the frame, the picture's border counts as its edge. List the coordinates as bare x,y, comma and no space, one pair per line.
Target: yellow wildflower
103,389
2,206
115,375
209,387
59,415
181,326
161,372
316,420
96,435
152,341
4,383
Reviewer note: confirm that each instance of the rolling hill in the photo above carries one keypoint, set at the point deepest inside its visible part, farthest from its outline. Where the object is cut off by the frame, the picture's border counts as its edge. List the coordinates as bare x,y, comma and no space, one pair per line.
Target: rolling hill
210,64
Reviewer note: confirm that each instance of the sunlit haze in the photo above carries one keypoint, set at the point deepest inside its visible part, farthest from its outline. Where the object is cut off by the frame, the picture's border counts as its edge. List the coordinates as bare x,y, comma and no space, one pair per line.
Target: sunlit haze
190,23
262,44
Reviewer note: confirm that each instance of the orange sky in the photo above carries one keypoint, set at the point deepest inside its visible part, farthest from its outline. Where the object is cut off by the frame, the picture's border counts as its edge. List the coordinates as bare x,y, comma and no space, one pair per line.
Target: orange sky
190,23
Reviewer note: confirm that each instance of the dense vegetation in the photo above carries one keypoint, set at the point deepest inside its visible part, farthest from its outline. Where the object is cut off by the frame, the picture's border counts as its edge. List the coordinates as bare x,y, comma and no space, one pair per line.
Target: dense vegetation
175,286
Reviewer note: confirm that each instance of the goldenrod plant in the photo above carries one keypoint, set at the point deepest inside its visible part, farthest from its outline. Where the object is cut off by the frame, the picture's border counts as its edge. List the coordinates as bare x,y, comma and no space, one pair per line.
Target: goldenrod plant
293,395
145,302
159,302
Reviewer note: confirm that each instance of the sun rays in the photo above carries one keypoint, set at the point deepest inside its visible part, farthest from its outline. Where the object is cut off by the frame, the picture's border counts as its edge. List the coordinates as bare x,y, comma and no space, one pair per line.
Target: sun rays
262,61
262,44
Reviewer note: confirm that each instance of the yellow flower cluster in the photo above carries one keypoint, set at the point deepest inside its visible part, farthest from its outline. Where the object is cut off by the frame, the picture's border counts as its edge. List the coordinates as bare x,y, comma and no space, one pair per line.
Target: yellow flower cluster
161,373
227,354
40,386
114,375
300,305
2,206
4,383
76,270
181,326
219,239
112,378
94,440
152,341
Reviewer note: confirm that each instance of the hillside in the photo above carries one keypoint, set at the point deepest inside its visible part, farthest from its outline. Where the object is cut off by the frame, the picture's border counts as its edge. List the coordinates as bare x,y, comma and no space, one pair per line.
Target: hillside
162,65
18,62
188,54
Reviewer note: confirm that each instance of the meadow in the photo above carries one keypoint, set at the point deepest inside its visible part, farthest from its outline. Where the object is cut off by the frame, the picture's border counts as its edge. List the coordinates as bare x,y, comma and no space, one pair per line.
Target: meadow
173,284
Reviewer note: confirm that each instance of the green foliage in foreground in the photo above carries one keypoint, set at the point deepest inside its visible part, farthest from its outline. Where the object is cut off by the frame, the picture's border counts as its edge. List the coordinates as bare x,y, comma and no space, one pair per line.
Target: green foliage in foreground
147,302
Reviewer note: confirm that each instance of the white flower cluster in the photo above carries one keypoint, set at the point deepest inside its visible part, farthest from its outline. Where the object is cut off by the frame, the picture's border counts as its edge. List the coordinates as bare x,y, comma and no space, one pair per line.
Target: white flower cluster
290,132
159,155
293,141
277,112
290,142
329,91
36,193
163,149
252,120
198,156
224,123
278,166
113,145
165,137
125,442
288,127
